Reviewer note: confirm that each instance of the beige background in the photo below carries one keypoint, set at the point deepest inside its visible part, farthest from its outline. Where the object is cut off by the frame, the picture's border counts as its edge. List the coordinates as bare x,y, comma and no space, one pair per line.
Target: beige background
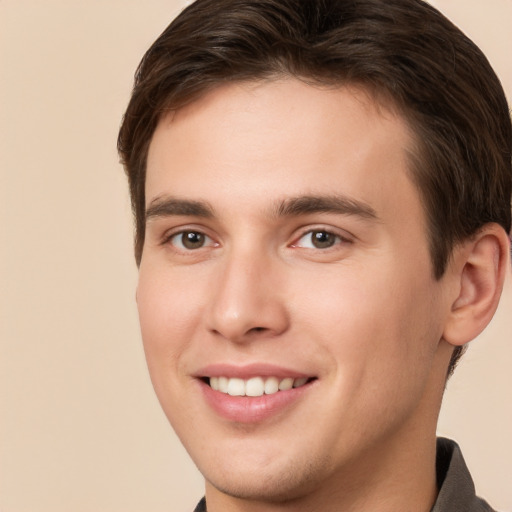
80,429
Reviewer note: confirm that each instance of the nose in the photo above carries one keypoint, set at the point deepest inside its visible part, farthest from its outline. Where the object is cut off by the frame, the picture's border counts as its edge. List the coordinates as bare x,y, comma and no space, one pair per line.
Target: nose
247,301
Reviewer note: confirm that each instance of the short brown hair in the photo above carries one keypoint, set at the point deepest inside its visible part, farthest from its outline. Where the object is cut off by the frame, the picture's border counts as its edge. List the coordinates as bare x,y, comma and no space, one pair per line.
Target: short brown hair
404,50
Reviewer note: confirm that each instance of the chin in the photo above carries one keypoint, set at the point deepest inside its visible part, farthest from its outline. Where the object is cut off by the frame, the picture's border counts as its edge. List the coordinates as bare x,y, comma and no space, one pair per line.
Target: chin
291,481
274,490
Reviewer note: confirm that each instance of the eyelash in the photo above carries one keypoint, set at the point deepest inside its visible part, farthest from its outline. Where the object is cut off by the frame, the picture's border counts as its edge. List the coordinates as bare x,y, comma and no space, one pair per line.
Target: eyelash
209,242
338,239
180,235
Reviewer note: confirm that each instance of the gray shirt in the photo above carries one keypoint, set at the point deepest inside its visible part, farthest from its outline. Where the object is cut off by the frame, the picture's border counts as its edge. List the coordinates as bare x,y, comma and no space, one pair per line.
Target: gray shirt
456,489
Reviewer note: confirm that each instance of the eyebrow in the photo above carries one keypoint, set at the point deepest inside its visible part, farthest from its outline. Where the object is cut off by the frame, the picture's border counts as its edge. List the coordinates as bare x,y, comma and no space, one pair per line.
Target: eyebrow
291,207
338,204
169,206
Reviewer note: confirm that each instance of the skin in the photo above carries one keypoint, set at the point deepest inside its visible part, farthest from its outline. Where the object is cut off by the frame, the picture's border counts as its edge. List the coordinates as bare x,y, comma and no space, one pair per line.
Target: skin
364,316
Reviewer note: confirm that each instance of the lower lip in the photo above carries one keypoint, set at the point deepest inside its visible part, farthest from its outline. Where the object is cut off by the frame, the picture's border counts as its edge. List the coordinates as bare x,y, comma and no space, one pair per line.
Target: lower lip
244,409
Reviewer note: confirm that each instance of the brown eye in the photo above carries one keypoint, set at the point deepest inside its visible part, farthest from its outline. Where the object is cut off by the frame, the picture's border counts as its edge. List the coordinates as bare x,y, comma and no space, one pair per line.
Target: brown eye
322,239
319,239
190,240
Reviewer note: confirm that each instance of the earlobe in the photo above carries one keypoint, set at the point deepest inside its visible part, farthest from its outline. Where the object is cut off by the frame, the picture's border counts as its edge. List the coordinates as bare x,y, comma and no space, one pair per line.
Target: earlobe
480,265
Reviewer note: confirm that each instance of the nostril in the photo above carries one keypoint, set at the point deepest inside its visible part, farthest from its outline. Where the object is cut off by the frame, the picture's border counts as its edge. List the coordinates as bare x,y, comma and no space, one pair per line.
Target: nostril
256,330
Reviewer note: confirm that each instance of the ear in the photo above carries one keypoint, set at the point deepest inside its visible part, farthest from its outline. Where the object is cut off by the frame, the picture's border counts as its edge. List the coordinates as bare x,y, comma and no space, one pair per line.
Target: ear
479,266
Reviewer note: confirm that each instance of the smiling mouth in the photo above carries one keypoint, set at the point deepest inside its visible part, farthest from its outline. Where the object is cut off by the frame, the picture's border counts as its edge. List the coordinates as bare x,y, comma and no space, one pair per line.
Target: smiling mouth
255,386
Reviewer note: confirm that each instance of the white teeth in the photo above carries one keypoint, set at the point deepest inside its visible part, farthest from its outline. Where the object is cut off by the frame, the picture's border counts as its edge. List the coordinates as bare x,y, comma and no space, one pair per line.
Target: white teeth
223,384
297,383
271,386
286,384
255,386
236,387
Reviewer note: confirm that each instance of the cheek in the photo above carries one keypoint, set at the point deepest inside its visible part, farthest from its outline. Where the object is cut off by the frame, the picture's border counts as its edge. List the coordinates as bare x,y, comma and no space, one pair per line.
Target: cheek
168,312
381,345
374,326
168,315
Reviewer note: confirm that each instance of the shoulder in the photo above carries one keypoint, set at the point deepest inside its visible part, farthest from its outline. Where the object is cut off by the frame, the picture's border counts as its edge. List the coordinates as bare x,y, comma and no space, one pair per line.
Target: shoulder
456,488
201,506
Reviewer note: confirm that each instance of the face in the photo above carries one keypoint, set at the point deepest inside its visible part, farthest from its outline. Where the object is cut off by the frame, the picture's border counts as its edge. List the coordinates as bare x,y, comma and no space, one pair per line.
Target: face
289,315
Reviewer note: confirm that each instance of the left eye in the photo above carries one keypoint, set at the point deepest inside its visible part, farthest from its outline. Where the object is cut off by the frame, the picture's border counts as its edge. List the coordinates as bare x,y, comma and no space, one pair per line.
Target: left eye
318,239
190,240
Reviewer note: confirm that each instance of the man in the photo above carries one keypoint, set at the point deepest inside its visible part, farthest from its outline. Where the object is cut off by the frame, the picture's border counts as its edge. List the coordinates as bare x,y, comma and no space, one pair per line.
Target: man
322,193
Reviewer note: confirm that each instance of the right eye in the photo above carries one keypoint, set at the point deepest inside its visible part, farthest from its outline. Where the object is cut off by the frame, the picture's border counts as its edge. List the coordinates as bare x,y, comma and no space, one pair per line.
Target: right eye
190,240
318,239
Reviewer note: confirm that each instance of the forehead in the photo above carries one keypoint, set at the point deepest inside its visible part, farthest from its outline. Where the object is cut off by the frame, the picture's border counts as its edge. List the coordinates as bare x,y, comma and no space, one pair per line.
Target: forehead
248,143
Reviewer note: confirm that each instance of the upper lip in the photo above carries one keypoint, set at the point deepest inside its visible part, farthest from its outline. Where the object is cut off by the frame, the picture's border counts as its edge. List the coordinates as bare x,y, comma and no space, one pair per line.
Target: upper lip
248,371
